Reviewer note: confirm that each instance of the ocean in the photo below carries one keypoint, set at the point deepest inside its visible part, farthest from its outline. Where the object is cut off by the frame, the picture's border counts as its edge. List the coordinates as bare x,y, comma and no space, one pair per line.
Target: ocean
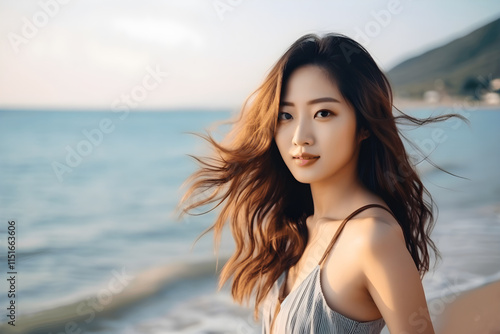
99,248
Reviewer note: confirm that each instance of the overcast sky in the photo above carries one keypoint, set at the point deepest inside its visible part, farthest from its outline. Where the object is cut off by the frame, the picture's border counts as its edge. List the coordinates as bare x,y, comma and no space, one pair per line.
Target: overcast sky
205,54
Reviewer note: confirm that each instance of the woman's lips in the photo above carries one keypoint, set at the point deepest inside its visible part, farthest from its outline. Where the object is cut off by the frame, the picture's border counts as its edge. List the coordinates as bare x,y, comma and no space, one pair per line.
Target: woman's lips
305,160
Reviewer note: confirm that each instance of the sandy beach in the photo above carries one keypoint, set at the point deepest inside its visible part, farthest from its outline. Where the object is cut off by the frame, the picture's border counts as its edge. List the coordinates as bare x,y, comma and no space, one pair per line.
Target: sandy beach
472,312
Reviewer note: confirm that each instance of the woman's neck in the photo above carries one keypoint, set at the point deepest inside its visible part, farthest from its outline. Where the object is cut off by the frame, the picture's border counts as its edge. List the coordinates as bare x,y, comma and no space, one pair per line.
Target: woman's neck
337,198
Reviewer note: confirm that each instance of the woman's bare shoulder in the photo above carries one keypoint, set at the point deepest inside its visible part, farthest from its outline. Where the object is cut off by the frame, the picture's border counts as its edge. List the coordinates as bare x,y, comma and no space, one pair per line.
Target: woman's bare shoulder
376,228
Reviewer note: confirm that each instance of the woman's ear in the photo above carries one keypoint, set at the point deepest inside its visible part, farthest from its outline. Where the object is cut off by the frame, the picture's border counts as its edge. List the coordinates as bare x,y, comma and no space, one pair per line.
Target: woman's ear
363,134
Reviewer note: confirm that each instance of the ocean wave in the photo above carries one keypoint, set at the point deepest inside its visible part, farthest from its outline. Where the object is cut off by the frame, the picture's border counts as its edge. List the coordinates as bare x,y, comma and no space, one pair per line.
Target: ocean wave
122,291
445,287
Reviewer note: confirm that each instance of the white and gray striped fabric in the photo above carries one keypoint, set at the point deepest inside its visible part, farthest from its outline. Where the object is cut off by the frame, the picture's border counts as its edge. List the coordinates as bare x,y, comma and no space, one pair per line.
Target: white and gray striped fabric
304,310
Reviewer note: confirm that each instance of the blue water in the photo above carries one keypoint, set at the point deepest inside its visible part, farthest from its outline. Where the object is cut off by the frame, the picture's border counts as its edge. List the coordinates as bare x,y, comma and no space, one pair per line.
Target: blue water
112,209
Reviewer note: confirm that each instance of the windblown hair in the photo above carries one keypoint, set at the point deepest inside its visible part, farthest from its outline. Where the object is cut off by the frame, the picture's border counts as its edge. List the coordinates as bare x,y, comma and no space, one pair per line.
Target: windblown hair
264,204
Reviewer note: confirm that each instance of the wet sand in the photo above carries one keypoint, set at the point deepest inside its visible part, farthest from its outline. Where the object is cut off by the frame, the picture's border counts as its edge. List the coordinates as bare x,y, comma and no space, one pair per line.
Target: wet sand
473,312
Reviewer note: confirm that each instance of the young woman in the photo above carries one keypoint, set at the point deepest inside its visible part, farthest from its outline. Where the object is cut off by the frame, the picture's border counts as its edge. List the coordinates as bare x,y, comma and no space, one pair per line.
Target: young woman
328,214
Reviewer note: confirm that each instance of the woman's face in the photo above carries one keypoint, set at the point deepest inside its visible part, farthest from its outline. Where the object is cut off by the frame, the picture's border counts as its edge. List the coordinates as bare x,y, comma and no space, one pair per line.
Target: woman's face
316,133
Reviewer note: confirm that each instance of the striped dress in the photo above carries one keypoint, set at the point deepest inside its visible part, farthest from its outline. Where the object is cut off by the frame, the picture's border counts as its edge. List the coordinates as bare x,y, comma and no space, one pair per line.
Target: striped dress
305,310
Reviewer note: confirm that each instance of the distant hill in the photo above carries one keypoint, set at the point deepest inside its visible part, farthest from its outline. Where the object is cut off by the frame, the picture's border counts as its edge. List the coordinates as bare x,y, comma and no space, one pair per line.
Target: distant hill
476,55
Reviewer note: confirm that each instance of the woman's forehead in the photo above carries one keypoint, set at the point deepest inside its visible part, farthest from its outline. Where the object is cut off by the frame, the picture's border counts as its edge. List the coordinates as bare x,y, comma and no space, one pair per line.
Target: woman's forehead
310,82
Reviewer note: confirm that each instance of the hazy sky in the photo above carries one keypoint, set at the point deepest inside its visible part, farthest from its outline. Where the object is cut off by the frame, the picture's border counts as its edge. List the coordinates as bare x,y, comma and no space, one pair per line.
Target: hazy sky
150,54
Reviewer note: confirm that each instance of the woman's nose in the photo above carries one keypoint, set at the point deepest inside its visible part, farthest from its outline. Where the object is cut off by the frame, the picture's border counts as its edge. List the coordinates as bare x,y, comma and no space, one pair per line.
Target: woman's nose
303,135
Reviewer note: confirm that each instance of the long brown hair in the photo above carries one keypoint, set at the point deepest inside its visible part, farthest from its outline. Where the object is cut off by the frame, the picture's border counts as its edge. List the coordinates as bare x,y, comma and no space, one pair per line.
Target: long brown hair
264,204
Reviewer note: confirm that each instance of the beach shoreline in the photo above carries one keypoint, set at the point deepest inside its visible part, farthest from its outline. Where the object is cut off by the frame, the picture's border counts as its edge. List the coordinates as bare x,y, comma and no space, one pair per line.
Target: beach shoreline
452,103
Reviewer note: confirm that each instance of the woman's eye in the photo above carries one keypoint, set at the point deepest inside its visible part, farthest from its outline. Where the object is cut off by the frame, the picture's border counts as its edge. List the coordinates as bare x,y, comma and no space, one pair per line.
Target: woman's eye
324,113
284,116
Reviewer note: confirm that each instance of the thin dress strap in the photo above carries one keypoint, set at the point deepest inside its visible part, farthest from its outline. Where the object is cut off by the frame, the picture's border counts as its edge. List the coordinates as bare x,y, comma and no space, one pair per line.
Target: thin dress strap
282,288
341,227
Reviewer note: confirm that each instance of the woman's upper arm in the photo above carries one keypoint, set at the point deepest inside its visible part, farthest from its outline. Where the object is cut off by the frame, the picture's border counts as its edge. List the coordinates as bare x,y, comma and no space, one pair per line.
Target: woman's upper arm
393,281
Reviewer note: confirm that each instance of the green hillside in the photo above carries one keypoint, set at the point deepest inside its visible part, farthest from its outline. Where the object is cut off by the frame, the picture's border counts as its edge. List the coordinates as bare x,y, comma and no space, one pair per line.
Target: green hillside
466,61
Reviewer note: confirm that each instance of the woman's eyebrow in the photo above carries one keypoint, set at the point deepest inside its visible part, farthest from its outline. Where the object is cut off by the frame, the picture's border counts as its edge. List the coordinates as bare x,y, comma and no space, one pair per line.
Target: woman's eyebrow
319,100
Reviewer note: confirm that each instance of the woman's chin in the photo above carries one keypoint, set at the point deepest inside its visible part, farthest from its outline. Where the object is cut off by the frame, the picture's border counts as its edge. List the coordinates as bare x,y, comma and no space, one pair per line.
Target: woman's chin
306,179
